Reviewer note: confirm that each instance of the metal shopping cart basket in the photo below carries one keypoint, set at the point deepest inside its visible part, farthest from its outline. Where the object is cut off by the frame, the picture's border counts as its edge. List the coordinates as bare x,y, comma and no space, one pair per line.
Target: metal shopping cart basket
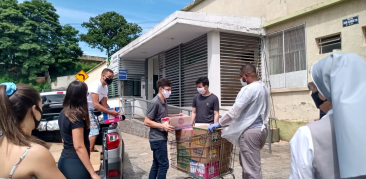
205,155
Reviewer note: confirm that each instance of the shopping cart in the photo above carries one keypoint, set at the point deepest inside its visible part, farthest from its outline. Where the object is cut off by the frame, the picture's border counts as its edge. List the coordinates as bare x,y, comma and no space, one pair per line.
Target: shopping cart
203,156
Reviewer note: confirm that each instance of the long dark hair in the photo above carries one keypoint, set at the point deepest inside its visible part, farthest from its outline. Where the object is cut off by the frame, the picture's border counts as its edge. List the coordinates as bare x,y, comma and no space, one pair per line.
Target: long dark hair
75,102
13,110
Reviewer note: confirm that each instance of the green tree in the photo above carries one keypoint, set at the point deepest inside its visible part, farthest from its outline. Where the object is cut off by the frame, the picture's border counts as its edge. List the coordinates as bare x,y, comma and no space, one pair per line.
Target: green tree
34,41
11,20
66,53
110,32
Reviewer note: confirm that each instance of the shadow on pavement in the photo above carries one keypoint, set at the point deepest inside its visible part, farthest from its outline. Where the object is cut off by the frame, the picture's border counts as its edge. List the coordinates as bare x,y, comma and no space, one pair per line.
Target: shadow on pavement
131,171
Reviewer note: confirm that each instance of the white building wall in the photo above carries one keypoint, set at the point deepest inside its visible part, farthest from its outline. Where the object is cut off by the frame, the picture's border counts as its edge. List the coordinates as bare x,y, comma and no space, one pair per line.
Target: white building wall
213,64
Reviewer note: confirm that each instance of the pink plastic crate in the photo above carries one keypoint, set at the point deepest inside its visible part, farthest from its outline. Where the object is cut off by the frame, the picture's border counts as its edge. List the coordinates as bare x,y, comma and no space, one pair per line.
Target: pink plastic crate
205,171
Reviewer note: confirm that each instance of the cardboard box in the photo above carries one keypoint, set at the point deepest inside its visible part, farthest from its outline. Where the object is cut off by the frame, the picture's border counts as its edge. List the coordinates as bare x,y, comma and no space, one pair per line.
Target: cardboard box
202,137
95,160
203,170
56,150
205,154
183,156
110,119
181,122
185,134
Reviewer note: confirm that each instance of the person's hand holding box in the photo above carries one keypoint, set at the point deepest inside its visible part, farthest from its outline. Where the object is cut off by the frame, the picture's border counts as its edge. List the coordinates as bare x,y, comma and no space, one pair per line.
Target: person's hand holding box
114,113
167,127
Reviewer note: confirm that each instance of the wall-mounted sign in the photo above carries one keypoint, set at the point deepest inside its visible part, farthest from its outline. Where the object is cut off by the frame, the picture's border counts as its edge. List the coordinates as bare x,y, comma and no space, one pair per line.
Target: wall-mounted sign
112,63
122,74
350,21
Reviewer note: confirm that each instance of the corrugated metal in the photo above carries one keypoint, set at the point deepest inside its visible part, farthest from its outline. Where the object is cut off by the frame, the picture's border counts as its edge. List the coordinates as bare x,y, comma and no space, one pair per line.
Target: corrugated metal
135,69
127,88
236,50
183,65
194,65
169,68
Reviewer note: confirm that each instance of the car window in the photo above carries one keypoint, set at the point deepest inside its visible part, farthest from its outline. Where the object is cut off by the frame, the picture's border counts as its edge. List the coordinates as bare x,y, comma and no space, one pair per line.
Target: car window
56,98
43,99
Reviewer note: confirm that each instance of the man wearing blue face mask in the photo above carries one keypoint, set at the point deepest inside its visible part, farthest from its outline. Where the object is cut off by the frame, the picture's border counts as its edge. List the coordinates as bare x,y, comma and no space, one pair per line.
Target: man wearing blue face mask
205,104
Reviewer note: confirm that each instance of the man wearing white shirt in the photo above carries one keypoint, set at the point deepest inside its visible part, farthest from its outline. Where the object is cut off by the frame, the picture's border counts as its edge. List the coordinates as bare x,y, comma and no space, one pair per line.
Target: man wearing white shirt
244,124
97,99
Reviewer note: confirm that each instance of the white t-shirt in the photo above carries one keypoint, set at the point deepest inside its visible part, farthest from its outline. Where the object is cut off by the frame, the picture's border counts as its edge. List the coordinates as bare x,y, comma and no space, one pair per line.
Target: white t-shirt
97,88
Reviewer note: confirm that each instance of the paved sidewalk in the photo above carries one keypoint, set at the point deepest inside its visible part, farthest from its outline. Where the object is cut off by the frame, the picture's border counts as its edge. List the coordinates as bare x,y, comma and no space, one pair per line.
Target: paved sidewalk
138,160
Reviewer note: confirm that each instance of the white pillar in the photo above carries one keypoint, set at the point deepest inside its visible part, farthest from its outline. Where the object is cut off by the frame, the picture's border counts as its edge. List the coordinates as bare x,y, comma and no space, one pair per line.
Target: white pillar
150,77
213,63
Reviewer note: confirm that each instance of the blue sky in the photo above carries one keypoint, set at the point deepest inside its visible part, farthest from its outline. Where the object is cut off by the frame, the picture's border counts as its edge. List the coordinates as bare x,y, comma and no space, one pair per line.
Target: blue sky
146,13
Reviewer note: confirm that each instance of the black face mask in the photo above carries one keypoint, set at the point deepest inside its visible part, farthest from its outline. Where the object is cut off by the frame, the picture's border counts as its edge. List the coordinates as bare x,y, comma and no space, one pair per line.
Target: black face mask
36,122
108,81
316,99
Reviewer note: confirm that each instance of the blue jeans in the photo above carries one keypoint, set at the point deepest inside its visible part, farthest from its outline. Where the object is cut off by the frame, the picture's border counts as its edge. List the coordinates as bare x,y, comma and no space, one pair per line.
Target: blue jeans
160,164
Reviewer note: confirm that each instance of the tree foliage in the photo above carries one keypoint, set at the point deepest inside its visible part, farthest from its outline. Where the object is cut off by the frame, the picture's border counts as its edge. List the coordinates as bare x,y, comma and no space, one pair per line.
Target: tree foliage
33,41
110,32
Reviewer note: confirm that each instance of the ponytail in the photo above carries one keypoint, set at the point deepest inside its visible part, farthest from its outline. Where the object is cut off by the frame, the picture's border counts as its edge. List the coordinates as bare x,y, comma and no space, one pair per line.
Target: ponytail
13,110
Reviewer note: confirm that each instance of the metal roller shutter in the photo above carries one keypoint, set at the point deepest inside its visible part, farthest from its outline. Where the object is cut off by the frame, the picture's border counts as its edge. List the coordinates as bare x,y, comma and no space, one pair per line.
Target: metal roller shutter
183,65
127,88
236,50
194,65
169,68
135,69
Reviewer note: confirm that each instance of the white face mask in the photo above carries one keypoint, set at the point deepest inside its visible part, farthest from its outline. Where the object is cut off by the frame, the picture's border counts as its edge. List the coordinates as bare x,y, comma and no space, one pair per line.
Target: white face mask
166,93
201,91
243,83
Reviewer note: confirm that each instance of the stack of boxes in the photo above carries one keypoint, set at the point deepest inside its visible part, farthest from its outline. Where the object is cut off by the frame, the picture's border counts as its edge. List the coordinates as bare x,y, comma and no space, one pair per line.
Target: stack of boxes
198,152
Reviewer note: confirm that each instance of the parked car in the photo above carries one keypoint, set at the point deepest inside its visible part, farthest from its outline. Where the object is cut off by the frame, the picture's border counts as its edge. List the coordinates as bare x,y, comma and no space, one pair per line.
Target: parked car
109,135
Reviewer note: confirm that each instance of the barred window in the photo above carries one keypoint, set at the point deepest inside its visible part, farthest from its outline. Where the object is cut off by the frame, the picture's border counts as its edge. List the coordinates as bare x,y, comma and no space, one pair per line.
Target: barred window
287,58
330,43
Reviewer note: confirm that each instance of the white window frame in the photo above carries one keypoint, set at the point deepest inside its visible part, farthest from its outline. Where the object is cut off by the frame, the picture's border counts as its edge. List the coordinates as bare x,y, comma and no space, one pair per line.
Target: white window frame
292,78
320,43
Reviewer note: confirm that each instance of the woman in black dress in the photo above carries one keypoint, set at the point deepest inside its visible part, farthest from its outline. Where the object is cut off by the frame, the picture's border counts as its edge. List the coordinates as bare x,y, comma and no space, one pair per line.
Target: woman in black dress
74,128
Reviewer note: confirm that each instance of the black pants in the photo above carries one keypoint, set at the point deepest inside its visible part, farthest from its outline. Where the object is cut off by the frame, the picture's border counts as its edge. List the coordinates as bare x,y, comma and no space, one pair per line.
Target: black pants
73,168
160,164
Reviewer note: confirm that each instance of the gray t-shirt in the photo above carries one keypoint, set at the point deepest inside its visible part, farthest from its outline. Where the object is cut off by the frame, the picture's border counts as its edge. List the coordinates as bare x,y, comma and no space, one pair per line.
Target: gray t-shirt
205,107
157,110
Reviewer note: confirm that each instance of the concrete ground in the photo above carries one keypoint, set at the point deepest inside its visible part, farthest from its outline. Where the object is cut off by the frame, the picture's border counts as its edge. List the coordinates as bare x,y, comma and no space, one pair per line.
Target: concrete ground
138,160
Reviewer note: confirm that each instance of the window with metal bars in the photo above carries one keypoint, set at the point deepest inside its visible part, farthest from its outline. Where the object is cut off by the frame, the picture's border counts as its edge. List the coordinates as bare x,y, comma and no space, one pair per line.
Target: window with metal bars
113,88
287,58
330,43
